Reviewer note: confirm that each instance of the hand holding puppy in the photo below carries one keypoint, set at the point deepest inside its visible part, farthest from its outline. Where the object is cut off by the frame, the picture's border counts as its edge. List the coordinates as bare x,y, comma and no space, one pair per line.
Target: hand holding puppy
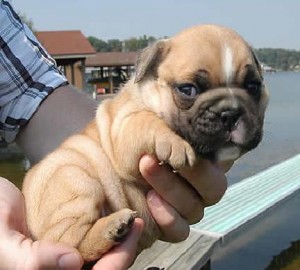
26,254
172,196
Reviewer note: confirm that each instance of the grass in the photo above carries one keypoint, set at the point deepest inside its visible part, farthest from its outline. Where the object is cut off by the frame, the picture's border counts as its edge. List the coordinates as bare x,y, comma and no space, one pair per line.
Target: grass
13,170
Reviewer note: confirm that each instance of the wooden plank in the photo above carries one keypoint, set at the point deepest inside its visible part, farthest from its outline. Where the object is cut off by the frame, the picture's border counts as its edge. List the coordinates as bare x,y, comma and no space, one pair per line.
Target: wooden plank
198,255
193,253
247,199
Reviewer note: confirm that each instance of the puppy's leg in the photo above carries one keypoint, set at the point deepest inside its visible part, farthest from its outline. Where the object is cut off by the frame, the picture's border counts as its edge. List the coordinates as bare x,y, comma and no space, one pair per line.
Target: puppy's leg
154,137
106,233
71,214
99,237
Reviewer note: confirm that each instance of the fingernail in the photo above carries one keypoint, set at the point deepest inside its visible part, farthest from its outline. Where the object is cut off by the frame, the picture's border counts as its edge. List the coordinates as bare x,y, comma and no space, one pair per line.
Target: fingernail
70,261
154,199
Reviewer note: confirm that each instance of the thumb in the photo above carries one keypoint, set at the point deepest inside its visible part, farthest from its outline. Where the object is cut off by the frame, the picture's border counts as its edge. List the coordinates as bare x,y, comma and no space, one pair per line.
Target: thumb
54,256
26,254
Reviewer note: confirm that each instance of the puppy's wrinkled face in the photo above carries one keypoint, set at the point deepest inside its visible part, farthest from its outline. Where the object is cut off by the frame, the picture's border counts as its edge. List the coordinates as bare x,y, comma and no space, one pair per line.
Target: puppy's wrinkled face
218,97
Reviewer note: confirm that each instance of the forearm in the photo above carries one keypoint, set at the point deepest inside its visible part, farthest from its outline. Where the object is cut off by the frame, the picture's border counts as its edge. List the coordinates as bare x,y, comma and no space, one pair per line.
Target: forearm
62,113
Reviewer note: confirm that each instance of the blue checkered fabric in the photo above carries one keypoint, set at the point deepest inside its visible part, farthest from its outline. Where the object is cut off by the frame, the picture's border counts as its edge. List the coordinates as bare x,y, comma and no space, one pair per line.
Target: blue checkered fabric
27,73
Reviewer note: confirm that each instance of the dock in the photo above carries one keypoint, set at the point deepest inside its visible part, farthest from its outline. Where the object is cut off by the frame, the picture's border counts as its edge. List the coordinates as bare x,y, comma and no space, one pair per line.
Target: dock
242,203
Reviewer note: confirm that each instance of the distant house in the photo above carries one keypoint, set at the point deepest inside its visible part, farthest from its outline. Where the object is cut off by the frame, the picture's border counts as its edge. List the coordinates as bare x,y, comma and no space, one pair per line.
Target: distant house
267,68
108,70
70,49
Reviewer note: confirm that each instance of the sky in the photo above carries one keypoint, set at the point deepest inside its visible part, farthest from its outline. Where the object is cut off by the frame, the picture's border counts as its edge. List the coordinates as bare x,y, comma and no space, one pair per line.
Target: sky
263,23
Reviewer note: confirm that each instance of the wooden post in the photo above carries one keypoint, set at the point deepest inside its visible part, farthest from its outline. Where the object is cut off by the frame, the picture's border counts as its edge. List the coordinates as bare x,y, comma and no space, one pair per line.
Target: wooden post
72,74
83,82
111,84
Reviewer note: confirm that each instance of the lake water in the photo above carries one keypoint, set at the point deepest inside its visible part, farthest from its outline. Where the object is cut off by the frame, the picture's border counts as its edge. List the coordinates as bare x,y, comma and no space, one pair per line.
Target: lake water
278,232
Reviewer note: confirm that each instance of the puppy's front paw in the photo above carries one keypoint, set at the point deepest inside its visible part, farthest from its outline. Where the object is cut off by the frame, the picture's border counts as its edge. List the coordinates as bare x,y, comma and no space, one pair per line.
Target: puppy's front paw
121,225
175,151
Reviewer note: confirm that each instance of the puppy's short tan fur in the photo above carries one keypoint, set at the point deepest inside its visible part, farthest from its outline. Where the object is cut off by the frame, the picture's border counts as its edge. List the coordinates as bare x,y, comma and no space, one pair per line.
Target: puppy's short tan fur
198,94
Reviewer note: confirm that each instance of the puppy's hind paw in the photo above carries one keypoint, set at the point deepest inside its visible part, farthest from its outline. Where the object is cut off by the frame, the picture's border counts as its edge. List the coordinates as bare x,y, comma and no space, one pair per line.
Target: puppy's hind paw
121,225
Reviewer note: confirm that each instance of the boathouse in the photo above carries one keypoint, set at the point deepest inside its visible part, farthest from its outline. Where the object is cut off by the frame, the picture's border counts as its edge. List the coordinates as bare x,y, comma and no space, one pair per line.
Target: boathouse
70,49
108,70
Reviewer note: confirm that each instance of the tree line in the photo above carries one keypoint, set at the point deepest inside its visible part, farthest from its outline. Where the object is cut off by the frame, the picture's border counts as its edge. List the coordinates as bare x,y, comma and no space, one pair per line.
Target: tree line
279,59
116,45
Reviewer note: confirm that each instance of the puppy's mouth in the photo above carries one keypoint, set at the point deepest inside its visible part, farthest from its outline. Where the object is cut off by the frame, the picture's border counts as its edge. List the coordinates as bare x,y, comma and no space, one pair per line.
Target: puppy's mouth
221,136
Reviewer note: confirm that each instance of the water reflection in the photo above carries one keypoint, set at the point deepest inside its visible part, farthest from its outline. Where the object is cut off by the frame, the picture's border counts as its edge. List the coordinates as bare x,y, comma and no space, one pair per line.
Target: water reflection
288,259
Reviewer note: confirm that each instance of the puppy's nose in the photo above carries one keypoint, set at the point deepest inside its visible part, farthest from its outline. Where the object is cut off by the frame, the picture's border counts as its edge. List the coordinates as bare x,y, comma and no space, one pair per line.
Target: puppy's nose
230,117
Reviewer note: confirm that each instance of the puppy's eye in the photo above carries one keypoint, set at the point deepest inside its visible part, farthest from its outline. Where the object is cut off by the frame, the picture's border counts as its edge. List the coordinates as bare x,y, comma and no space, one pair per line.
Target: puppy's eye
188,90
253,88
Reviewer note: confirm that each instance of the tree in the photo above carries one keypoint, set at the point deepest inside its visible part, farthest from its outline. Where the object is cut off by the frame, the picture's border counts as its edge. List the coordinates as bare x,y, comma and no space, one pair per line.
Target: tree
98,44
114,45
136,44
131,44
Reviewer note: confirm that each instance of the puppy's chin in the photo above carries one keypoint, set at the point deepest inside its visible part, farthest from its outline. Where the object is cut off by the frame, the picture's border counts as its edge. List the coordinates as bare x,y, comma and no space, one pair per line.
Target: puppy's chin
229,151
232,152
238,144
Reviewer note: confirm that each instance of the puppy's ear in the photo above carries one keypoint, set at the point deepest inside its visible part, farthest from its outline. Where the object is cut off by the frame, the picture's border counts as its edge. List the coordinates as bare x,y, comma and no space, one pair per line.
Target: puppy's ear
256,61
149,59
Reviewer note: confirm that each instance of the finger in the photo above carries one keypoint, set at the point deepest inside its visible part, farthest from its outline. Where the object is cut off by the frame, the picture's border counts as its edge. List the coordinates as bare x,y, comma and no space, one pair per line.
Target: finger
174,228
12,207
26,254
173,189
48,256
123,255
208,179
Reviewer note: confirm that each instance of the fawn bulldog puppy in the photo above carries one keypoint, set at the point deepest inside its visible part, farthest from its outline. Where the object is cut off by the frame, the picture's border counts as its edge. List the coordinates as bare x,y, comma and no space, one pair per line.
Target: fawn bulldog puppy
197,95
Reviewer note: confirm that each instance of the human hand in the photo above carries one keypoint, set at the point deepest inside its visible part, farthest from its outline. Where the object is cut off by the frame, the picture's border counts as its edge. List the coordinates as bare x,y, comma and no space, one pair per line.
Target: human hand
176,202
18,251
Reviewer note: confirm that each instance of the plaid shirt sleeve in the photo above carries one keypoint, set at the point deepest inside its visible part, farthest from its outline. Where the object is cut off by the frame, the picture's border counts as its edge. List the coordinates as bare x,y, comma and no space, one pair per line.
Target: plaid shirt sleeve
27,73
